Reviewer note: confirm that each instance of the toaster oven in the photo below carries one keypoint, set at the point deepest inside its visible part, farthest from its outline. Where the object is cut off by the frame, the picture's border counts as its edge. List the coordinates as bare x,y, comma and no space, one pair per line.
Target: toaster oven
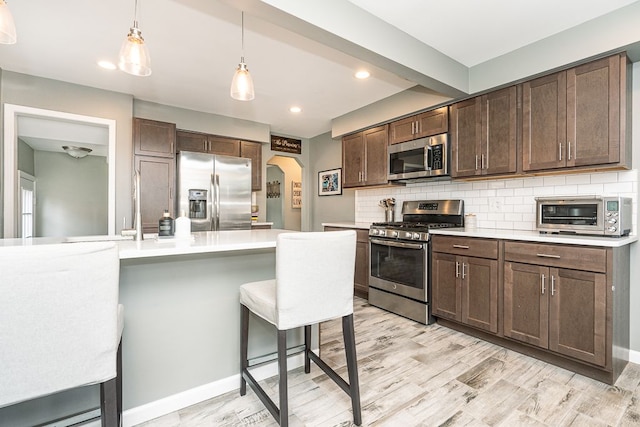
594,215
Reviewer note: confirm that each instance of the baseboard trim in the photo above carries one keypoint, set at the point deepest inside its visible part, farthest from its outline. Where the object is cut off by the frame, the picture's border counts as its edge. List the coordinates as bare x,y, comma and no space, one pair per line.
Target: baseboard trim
634,356
164,406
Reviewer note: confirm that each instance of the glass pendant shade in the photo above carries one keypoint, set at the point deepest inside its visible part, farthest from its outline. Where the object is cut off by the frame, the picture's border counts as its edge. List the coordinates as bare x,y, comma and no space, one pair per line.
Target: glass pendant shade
7,26
242,84
134,56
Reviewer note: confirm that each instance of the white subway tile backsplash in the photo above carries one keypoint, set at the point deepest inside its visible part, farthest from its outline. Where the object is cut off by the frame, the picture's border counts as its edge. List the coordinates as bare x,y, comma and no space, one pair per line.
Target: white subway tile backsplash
579,179
554,180
481,185
618,187
604,177
565,189
594,189
515,208
514,183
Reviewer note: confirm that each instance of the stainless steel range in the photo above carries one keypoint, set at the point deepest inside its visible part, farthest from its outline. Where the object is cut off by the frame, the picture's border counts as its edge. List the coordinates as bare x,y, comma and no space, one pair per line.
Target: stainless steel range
399,279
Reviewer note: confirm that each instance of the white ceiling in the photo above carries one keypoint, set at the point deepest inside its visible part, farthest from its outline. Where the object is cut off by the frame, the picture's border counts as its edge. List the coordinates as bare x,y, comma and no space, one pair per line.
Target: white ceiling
195,46
52,134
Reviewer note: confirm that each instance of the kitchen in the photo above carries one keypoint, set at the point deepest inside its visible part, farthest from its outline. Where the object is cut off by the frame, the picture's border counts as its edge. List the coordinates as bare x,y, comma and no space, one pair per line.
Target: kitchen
494,201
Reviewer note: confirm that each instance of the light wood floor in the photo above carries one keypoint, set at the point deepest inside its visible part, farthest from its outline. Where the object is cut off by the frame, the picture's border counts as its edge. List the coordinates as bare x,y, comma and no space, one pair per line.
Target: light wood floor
416,375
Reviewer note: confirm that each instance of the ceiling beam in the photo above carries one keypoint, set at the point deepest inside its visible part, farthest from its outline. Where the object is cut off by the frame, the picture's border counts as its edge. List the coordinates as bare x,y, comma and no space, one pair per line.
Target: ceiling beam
345,27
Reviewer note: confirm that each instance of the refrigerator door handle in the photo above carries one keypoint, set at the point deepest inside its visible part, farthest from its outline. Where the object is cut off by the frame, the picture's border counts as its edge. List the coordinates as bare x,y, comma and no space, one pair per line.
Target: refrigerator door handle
212,191
217,202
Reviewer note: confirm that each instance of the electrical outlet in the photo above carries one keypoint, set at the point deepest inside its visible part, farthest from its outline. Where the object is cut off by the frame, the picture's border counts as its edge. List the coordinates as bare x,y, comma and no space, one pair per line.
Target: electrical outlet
495,205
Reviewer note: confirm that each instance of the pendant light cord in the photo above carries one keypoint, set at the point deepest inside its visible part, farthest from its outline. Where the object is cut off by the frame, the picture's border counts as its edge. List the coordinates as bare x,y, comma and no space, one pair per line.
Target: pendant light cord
242,38
135,14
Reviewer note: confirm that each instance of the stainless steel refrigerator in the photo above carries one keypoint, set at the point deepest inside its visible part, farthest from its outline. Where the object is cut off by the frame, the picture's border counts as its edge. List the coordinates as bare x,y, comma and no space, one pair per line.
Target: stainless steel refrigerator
214,191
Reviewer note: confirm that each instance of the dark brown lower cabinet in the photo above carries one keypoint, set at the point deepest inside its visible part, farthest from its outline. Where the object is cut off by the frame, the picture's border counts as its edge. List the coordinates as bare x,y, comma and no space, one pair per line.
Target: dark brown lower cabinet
561,303
361,279
157,178
465,288
560,309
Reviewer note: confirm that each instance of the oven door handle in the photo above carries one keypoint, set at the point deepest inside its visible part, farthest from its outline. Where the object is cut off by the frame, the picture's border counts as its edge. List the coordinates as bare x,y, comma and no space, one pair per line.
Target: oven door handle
397,244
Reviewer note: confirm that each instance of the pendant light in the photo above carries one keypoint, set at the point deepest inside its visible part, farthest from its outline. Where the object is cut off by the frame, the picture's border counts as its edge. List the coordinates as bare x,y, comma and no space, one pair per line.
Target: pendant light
242,84
7,27
134,55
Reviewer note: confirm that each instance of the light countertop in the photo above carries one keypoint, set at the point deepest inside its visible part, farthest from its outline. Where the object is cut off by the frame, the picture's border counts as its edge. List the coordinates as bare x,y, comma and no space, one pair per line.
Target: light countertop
535,236
151,246
363,225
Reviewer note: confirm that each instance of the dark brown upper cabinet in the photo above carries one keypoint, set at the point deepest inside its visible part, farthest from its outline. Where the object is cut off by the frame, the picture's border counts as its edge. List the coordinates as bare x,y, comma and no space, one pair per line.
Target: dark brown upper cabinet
205,143
425,124
364,158
253,151
484,134
153,138
577,117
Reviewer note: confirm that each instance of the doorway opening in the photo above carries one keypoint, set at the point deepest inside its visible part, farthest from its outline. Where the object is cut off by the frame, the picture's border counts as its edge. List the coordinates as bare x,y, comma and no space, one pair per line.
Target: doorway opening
43,133
285,175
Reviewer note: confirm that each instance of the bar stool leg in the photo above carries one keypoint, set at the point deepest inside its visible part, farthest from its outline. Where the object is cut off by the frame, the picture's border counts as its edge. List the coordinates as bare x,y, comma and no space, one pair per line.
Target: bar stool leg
307,349
352,366
244,344
282,372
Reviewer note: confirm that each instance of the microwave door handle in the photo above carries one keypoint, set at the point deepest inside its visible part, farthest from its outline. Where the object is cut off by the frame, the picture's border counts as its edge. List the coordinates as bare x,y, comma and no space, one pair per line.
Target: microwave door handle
428,158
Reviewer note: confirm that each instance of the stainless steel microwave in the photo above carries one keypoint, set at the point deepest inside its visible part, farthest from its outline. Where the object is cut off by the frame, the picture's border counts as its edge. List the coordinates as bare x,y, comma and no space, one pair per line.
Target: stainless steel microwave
419,159
595,215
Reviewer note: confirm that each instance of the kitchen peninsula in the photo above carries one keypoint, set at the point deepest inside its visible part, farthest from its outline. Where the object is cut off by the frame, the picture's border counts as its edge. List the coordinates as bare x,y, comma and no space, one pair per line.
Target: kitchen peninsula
182,317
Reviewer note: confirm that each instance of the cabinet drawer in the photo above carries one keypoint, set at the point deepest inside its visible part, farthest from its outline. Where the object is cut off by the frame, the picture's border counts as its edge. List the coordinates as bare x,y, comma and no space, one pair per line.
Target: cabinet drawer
466,246
562,256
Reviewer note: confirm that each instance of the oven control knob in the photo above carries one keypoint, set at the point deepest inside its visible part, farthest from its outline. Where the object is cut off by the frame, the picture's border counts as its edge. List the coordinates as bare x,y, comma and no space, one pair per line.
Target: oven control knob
393,234
612,221
608,214
415,236
612,229
375,232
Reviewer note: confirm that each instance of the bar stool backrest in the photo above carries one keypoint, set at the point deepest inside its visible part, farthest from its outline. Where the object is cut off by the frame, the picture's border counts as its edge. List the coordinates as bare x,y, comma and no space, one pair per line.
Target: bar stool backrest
58,318
314,277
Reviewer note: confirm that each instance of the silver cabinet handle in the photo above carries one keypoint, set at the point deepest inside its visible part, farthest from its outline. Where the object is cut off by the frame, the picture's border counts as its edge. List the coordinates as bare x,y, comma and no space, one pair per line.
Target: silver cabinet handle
461,246
457,269
553,285
418,126
560,151
482,163
569,150
548,256
476,162
413,128
463,275
542,283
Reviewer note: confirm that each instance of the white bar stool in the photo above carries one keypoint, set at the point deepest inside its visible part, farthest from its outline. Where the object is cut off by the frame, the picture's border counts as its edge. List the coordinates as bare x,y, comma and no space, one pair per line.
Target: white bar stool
313,284
60,323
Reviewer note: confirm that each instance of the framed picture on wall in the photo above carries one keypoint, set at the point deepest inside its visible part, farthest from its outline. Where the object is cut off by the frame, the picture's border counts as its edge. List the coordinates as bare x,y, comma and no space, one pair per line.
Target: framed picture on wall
296,195
330,182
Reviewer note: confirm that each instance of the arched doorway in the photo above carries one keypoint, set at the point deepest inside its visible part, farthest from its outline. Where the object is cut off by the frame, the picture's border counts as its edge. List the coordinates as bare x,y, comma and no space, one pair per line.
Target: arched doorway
284,212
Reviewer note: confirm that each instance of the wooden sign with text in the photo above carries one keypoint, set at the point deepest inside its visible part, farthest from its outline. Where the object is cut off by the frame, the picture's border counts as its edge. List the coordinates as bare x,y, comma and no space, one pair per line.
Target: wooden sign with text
288,145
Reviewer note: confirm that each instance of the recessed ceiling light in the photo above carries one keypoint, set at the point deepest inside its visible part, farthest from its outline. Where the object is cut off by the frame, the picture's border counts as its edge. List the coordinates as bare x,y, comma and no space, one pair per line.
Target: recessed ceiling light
107,65
363,74
295,109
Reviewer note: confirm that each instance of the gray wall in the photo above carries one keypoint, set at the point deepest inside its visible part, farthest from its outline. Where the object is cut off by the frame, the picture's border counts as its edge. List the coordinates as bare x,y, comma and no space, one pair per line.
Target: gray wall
31,91
202,122
274,204
26,158
327,154
71,195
